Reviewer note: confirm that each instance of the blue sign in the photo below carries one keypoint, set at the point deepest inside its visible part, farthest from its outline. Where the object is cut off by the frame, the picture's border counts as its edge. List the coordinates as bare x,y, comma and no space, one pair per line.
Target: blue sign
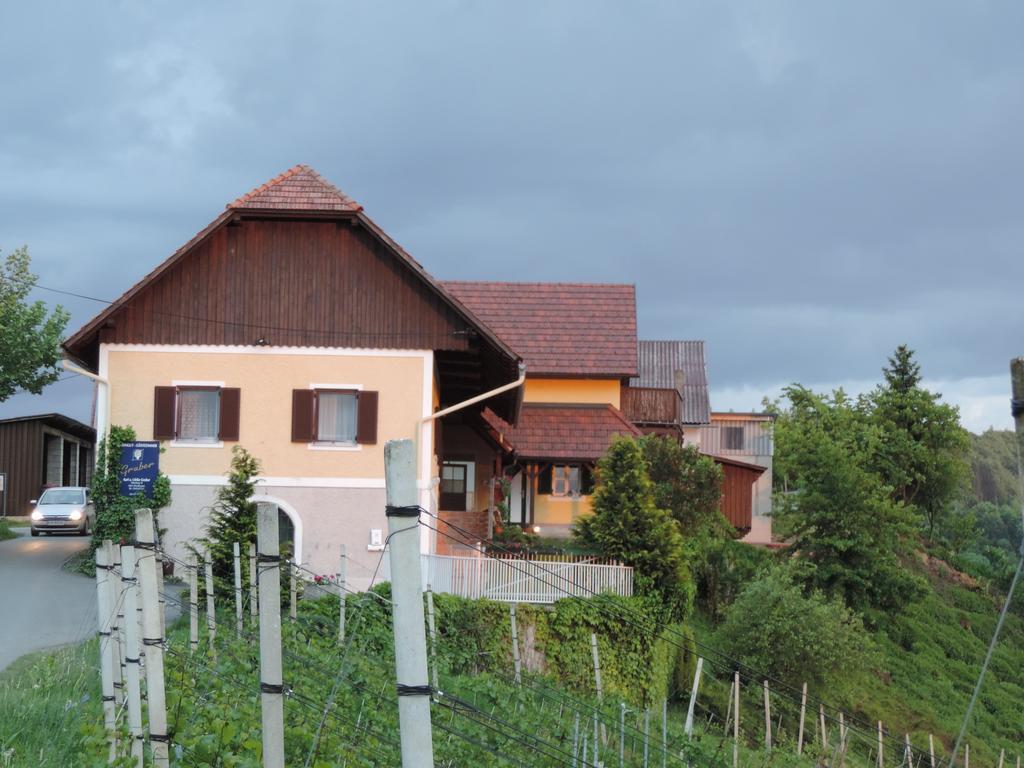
140,465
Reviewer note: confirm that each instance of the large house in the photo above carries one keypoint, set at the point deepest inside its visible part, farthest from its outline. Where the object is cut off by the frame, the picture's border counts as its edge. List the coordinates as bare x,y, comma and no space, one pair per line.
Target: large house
294,326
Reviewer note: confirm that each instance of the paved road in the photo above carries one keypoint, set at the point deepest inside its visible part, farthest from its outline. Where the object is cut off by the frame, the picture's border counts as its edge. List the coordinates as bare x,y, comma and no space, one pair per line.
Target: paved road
42,606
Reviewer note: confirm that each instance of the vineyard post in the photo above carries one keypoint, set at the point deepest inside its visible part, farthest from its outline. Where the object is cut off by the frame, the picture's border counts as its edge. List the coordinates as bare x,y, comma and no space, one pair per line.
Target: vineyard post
114,589
622,734
159,563
664,732
597,745
931,750
414,691
293,592
237,559
824,731
803,714
516,662
211,614
597,679
152,637
106,649
268,558
342,588
254,582
433,635
647,733
767,719
967,756
575,738
736,721
693,698
132,644
880,746
1002,757
908,753
193,604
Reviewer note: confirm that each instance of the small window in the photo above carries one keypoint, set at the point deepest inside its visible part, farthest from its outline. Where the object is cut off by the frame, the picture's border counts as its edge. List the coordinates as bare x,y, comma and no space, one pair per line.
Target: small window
198,414
336,416
733,438
567,480
454,487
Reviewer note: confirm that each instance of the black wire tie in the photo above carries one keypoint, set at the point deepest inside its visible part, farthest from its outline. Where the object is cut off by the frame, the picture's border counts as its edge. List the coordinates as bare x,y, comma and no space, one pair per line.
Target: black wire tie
271,687
131,661
414,690
262,558
412,510
162,737
1017,407
153,641
108,698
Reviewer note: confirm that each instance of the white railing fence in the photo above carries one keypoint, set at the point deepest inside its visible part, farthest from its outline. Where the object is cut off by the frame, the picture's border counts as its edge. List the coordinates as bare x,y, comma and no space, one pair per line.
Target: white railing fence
517,580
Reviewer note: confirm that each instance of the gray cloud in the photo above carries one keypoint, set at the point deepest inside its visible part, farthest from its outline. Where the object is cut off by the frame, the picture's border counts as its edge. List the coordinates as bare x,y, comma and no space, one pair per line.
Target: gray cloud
805,186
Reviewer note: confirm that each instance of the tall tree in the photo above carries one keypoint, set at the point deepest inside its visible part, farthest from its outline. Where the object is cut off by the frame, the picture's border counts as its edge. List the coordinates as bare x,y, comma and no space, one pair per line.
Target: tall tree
923,455
627,525
839,516
686,483
30,336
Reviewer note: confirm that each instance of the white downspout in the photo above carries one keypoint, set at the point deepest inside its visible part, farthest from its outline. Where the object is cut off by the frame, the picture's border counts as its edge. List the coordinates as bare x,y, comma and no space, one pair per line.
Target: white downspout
428,542
102,404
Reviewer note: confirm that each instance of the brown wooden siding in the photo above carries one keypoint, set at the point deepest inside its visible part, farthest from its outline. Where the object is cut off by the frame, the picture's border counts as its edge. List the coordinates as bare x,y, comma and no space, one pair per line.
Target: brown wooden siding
21,458
291,283
738,495
649,405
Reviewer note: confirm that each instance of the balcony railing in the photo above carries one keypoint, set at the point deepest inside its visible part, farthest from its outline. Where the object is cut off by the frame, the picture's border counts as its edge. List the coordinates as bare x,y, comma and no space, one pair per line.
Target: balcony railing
648,405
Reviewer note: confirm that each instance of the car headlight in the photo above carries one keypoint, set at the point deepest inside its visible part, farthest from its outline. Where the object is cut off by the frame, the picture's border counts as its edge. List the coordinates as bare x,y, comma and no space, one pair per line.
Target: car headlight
76,514
37,515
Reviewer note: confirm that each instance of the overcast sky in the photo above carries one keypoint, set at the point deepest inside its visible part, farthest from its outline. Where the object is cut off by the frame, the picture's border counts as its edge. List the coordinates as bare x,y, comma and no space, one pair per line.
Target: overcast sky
803,185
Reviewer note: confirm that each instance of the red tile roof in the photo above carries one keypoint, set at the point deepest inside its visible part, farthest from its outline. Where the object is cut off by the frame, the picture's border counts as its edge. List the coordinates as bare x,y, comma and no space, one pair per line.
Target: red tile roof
572,432
560,329
297,189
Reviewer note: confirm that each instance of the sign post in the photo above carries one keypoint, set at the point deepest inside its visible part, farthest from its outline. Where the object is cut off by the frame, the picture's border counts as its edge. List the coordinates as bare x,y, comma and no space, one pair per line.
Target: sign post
140,465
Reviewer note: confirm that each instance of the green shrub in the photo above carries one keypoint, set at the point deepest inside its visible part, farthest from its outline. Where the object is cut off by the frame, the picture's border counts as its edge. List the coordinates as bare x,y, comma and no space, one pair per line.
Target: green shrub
776,627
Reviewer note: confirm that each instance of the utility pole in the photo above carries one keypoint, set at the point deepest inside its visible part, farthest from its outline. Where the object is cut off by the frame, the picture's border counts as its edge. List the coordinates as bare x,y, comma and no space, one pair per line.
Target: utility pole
152,637
268,559
407,615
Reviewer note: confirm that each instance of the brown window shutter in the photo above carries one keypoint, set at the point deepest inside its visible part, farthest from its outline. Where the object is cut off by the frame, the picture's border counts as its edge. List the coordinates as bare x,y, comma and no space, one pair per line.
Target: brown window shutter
164,416
303,426
230,407
366,429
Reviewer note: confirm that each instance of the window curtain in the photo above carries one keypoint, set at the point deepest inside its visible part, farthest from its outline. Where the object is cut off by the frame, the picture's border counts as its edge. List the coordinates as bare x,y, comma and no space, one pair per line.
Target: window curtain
336,417
199,414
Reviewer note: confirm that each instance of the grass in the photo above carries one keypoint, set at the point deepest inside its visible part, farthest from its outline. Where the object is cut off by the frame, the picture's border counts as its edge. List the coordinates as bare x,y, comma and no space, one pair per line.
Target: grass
46,698
5,531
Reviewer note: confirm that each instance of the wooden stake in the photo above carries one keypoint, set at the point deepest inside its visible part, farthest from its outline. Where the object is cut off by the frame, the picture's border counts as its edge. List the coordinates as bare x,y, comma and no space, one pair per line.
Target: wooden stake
931,749
622,734
880,745
664,732
342,590
824,731
211,615
271,682
693,698
160,592
133,691
647,734
803,713
767,720
193,604
433,635
1002,756
236,556
292,593
967,756
736,721
106,649
254,584
516,663
152,638
907,751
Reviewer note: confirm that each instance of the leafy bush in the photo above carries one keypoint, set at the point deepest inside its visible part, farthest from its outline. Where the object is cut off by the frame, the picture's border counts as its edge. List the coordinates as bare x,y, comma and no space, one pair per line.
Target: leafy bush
775,626
723,572
686,483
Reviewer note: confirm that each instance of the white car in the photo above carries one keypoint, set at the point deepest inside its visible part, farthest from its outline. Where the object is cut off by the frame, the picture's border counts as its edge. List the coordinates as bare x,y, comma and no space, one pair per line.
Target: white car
63,510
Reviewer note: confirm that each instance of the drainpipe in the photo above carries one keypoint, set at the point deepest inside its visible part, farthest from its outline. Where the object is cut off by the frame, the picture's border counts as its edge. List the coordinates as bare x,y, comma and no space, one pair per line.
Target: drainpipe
102,403
427,542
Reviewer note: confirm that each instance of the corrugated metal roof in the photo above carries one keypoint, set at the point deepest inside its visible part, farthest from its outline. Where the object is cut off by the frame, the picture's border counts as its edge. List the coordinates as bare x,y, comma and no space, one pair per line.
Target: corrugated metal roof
660,365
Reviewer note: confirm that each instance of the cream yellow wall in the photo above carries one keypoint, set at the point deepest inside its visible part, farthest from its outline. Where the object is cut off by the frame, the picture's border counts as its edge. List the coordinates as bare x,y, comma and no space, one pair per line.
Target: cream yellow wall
266,381
572,391
559,510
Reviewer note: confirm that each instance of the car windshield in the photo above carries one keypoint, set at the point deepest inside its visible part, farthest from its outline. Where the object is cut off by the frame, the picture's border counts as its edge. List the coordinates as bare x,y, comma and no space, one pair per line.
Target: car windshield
63,496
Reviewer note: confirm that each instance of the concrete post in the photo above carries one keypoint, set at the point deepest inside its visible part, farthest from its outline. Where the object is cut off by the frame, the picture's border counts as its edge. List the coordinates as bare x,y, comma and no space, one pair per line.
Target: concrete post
433,636
271,681
803,714
293,592
342,591
106,648
693,698
152,638
133,690
193,604
116,608
254,588
516,662
211,612
407,614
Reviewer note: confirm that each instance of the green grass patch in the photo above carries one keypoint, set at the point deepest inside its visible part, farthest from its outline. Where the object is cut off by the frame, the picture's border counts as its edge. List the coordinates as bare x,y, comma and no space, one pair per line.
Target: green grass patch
5,531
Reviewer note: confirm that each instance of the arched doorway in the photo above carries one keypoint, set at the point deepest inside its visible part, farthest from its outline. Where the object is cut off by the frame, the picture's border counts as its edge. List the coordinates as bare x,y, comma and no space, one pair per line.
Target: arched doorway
289,526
